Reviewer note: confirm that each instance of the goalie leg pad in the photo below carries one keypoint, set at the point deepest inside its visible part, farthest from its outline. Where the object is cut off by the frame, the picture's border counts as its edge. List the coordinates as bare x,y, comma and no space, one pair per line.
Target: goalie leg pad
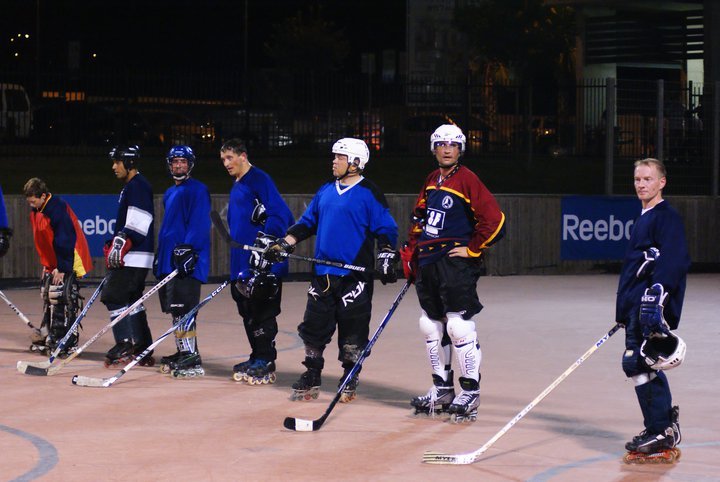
438,353
464,339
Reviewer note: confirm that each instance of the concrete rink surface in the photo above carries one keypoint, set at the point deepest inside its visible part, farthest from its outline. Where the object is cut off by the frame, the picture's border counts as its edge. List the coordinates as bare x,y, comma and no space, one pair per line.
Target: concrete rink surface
150,427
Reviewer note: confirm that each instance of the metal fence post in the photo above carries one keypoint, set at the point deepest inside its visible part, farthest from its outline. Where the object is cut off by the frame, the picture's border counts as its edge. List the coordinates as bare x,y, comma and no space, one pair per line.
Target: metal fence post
660,121
716,138
609,134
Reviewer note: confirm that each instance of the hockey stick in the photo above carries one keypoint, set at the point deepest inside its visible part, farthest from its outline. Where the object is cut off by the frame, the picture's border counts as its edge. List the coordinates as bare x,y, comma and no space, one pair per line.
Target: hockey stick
83,381
301,425
42,370
22,366
19,313
470,457
222,230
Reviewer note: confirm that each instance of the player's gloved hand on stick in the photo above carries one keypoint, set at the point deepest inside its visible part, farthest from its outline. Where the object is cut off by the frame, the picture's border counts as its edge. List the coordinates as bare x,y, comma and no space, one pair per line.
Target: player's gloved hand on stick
278,250
5,235
116,251
184,259
387,259
409,262
257,258
652,304
648,265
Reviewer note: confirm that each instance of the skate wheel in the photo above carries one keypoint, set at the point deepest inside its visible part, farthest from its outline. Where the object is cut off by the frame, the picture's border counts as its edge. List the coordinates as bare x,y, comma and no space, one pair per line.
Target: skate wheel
164,368
147,362
238,376
272,378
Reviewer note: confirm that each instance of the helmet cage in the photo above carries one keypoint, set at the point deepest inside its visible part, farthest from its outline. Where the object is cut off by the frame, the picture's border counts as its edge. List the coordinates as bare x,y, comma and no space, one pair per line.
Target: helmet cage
181,152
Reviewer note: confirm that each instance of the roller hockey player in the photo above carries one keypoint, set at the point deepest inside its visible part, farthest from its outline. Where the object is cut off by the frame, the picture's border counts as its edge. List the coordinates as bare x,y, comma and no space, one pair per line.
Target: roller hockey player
650,297
348,216
65,257
454,220
129,257
183,244
256,215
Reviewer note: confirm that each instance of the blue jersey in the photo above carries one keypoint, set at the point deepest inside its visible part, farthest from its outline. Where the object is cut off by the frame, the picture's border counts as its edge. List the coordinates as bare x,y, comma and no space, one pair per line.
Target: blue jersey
255,185
661,227
135,218
346,221
3,212
186,221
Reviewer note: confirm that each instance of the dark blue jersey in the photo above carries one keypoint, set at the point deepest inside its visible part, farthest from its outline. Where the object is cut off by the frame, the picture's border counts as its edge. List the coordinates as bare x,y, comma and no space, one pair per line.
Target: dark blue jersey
135,218
255,184
186,221
346,221
661,227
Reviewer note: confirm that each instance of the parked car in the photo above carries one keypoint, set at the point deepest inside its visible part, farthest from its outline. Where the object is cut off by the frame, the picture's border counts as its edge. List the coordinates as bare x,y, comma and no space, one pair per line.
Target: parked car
16,116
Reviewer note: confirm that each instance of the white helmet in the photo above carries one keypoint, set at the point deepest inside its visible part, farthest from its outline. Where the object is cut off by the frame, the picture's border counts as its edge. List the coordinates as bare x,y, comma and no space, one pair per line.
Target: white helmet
663,353
355,149
448,133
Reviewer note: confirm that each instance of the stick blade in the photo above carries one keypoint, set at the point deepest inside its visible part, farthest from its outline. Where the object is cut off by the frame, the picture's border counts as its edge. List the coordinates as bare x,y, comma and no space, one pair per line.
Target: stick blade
447,459
83,381
35,370
22,366
300,425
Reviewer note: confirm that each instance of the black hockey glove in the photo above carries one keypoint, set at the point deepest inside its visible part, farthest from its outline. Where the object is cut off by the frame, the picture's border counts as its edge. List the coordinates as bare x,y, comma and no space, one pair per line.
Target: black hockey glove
119,246
278,250
259,214
257,258
5,235
652,304
386,266
646,269
184,259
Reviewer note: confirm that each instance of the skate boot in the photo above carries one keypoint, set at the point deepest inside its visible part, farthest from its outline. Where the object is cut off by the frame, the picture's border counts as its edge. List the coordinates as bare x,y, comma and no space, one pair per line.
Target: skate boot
120,354
308,386
38,341
649,448
255,372
187,365
146,361
438,398
464,406
167,361
350,391
70,346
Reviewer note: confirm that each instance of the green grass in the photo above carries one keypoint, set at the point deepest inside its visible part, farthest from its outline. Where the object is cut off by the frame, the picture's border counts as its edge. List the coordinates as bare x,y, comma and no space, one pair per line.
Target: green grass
88,171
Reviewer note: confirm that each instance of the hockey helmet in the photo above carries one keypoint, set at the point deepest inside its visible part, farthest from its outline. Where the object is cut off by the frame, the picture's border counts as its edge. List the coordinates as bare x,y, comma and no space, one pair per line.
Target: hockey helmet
355,149
257,285
181,152
129,155
663,353
448,133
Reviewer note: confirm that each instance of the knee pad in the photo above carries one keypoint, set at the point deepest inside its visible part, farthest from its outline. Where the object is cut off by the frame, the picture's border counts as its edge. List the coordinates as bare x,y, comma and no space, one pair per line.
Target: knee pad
461,331
432,329
349,354
634,365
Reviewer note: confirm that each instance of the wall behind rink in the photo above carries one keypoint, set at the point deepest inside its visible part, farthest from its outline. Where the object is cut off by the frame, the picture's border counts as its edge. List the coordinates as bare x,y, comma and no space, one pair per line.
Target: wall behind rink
531,244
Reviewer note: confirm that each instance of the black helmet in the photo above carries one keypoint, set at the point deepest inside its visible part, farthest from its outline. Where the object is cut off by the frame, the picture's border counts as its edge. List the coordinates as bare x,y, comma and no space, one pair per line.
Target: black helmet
257,285
129,155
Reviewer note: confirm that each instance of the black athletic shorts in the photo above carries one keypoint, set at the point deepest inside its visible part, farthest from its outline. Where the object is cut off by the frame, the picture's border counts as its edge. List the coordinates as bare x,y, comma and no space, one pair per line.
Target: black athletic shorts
179,295
449,286
124,286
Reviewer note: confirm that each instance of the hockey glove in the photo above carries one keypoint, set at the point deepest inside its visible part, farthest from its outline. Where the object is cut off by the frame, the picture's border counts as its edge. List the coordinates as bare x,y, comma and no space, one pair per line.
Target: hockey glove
184,259
5,235
257,258
387,259
259,214
119,246
409,262
652,304
278,250
646,269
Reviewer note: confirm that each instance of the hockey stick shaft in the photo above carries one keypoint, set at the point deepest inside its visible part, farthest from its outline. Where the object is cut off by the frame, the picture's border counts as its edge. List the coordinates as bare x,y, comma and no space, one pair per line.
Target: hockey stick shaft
107,382
54,369
310,425
76,324
223,232
17,310
468,458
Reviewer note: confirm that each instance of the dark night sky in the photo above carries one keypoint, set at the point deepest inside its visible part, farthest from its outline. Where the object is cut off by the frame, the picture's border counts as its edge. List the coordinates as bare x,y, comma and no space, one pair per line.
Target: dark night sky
185,34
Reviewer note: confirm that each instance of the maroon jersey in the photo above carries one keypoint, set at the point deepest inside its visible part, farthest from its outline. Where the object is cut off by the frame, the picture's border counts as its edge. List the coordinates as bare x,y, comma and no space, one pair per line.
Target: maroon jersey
456,211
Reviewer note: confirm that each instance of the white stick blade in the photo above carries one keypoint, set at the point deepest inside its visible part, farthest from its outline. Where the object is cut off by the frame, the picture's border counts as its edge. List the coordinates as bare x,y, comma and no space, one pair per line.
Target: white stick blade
22,366
83,381
447,459
298,424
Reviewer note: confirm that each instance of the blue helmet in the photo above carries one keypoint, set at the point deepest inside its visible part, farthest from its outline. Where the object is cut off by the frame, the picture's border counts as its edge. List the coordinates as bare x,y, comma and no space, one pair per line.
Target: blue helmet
181,152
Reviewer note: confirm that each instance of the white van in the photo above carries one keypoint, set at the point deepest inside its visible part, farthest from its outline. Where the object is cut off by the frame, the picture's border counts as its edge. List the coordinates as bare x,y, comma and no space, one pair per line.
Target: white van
15,113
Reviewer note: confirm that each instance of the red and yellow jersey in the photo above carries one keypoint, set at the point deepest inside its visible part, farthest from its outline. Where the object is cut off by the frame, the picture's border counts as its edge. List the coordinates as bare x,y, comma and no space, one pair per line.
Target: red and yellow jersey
59,240
456,211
